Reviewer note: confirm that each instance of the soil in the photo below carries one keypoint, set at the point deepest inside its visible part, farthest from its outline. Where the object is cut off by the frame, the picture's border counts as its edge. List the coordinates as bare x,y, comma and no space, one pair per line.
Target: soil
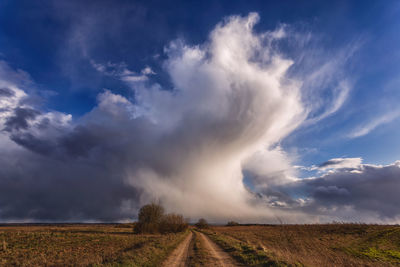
214,255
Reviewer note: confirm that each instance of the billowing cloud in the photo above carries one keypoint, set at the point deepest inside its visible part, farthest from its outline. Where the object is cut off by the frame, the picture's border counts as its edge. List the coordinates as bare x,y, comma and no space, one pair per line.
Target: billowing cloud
234,98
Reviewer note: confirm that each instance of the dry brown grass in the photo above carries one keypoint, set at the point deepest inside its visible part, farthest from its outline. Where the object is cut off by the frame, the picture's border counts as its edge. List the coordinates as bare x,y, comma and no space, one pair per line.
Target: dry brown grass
82,245
320,245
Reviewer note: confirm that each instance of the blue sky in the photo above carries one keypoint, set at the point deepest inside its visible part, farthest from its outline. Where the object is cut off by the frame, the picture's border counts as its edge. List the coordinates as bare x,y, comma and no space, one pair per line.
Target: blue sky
35,37
73,58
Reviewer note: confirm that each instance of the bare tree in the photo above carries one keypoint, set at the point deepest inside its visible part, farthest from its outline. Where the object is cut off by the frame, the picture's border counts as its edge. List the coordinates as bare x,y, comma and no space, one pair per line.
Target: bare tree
150,216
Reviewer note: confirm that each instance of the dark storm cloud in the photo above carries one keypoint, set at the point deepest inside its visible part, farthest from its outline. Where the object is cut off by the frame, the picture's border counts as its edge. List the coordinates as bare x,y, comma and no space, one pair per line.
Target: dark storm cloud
6,92
56,190
78,173
77,143
32,143
80,141
371,189
364,193
50,171
20,119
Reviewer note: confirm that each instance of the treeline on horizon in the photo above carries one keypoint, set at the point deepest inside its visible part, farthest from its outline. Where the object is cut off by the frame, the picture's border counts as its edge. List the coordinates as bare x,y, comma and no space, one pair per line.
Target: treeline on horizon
152,219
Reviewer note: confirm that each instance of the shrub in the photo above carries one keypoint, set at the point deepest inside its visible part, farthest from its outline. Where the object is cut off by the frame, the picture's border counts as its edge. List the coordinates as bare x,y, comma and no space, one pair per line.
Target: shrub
150,216
152,220
173,223
202,224
232,223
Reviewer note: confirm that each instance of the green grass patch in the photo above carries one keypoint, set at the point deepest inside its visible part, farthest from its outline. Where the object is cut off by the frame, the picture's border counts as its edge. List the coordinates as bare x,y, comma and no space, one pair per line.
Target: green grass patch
383,246
385,255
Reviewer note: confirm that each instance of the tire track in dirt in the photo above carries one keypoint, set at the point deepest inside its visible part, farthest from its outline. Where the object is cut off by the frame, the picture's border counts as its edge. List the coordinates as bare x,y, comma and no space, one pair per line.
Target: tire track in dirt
217,255
179,256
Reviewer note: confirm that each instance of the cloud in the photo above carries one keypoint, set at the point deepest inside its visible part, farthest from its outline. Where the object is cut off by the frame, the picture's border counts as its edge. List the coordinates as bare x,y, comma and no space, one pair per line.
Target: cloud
340,163
333,165
324,81
363,193
26,124
6,92
227,105
341,93
120,71
20,119
347,192
234,99
373,124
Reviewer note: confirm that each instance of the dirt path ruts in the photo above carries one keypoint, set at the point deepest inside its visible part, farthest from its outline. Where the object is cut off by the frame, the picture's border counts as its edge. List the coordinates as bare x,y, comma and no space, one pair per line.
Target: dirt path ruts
178,257
219,257
215,255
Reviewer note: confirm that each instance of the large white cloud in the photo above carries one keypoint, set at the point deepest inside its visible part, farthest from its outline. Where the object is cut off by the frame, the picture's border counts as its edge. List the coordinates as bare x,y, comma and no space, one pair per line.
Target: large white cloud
230,101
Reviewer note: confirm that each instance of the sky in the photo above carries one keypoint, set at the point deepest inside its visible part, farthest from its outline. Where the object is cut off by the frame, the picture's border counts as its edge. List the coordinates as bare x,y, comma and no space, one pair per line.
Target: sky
254,111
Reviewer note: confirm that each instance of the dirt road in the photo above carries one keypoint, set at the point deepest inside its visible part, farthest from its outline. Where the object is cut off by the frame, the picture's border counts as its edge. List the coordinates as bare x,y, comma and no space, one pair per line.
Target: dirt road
210,253
218,257
178,257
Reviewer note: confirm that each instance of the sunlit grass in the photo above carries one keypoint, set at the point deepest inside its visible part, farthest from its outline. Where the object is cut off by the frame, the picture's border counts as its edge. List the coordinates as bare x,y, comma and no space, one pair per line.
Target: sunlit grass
311,245
84,245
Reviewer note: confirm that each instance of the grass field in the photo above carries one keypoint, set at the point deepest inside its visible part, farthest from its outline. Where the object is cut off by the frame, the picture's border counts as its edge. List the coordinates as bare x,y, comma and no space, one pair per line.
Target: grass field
270,245
311,245
82,245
